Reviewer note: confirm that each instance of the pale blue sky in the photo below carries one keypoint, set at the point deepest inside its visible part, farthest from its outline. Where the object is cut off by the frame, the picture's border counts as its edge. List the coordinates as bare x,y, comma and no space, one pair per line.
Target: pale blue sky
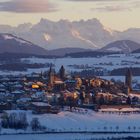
116,14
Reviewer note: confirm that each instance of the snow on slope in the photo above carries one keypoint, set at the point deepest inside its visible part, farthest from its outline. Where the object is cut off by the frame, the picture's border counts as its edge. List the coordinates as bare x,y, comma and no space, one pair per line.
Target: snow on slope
65,34
12,44
10,37
77,35
125,46
114,49
109,30
47,37
88,34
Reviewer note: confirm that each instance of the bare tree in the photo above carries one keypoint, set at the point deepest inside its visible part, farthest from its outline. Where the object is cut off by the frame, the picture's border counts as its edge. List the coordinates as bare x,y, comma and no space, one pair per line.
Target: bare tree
35,124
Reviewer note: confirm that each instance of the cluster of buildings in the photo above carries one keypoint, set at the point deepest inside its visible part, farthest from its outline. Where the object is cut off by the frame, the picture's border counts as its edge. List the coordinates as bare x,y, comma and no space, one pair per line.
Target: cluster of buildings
49,91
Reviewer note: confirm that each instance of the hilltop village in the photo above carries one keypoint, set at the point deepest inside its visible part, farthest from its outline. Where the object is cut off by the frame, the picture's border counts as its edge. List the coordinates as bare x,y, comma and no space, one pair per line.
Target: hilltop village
50,92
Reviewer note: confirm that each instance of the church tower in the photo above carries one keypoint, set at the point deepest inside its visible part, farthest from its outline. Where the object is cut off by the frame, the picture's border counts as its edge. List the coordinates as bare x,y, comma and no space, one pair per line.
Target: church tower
51,76
128,79
62,73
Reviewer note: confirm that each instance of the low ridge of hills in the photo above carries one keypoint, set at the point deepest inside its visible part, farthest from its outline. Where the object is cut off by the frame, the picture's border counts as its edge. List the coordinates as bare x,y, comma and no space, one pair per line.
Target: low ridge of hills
12,44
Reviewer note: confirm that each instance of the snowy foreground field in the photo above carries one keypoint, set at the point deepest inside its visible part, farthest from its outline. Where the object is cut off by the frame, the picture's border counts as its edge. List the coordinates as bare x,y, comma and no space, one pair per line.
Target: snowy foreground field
89,121
78,126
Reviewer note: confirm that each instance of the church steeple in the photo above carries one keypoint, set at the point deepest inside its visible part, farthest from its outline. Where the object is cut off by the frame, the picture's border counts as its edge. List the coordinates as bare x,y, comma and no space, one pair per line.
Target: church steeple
128,79
62,73
51,76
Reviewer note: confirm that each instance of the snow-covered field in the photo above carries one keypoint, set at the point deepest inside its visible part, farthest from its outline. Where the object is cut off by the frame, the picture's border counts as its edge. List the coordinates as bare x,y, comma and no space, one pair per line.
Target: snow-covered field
107,62
88,121
91,121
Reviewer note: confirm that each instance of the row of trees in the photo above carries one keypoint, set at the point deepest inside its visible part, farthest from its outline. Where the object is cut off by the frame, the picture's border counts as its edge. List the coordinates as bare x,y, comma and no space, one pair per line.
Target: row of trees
19,121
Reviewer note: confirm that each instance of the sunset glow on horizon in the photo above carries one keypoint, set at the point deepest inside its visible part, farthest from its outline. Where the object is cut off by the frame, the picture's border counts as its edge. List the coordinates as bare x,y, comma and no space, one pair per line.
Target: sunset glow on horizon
115,14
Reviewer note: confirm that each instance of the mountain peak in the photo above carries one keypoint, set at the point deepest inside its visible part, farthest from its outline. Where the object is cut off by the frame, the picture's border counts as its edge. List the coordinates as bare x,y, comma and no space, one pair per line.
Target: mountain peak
44,21
108,30
85,34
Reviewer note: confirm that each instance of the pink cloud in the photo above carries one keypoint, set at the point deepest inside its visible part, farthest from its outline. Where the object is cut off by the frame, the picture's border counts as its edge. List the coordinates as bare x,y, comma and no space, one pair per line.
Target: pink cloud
27,6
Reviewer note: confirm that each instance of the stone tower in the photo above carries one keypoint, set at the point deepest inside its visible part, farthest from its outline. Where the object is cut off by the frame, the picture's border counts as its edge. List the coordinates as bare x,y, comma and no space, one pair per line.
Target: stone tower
62,73
51,76
128,79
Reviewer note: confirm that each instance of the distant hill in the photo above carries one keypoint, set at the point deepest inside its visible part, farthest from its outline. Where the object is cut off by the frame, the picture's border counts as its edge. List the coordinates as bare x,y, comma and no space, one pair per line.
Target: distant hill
136,51
122,71
15,45
12,44
63,51
89,54
121,46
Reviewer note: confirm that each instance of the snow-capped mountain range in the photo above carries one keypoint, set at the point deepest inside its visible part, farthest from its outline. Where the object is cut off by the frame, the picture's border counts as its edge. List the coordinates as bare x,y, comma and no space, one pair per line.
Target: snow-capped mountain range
90,34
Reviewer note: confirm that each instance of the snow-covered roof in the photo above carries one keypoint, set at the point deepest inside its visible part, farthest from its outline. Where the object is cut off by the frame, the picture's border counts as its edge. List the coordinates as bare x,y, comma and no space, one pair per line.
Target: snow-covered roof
24,100
18,86
120,110
17,92
40,104
5,79
2,86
